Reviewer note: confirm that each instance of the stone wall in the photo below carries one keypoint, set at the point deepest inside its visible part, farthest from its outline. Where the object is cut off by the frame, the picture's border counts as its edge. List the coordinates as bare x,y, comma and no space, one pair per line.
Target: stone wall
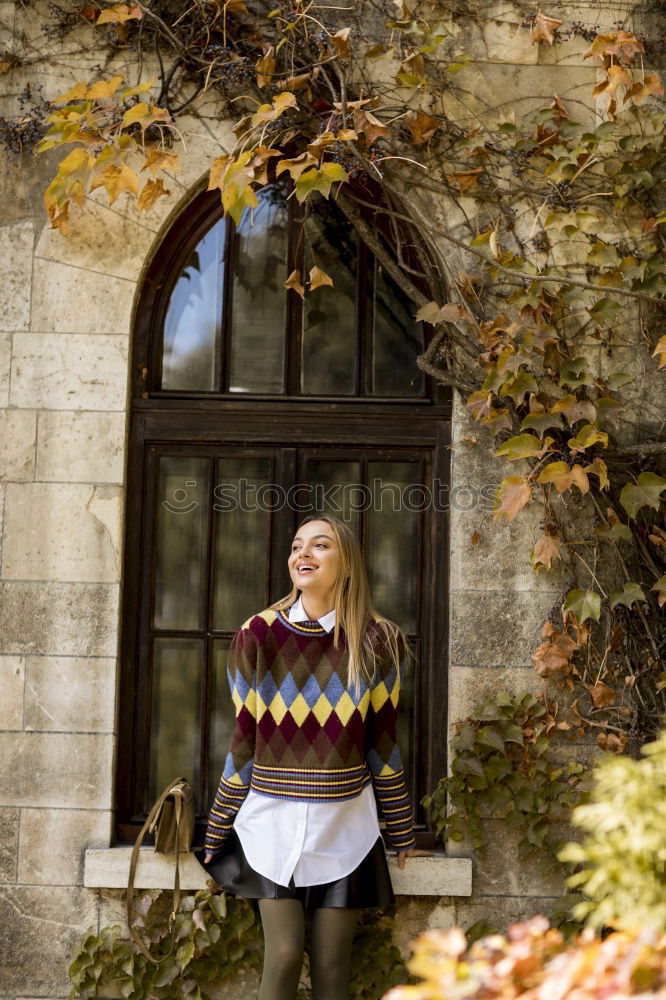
65,353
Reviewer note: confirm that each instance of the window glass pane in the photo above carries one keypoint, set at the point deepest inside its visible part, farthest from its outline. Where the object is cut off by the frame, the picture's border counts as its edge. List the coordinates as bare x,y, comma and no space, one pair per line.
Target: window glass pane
392,539
259,296
396,340
175,725
329,314
192,327
222,718
242,512
337,489
180,541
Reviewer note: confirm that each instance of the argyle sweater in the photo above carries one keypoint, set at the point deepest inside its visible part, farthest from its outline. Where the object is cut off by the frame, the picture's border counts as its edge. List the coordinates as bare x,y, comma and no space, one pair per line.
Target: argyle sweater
300,733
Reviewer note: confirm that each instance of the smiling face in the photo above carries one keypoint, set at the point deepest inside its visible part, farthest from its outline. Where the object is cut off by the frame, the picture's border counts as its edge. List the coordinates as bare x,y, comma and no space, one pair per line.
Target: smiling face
314,562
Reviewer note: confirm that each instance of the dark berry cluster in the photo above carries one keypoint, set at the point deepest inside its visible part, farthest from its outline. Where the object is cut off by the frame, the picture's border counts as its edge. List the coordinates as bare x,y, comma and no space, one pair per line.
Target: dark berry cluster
62,19
18,135
236,75
518,160
560,197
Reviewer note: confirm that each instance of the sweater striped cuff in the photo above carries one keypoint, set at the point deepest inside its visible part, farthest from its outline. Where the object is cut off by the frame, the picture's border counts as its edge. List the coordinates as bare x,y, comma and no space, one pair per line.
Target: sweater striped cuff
228,800
396,809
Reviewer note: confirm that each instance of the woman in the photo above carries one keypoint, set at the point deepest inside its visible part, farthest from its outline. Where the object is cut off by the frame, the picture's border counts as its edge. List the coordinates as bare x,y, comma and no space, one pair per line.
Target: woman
315,681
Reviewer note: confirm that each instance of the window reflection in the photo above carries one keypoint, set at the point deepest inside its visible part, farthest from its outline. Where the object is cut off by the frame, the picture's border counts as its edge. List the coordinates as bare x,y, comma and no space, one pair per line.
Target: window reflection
222,715
175,726
392,542
259,296
192,327
396,340
329,314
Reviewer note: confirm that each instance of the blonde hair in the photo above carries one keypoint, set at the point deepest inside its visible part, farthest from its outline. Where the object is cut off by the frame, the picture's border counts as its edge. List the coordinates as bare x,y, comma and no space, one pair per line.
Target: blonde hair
367,632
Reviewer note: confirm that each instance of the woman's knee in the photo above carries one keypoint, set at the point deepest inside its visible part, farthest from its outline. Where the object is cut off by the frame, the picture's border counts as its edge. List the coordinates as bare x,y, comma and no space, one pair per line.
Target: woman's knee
284,956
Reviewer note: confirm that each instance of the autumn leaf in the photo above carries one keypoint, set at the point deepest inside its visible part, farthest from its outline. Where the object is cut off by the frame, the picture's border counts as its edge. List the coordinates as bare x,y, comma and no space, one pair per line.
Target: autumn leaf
118,14
599,468
370,126
543,28
270,112
103,88
601,695
265,66
650,87
574,409
140,88
117,179
422,127
464,179
320,180
626,595
586,437
616,77
294,282
524,446
433,313
340,42
479,403
151,191
511,496
563,477
553,656
158,160
546,549
644,493
318,278
583,604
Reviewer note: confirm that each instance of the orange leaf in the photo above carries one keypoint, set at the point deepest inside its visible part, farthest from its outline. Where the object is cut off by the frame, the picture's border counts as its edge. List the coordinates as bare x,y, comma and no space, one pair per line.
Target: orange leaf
116,180
543,28
341,42
265,66
546,549
422,127
151,191
511,496
121,12
158,160
602,695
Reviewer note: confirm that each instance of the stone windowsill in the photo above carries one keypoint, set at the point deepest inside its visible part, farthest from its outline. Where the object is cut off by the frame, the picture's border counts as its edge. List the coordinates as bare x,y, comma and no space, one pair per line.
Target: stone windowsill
108,868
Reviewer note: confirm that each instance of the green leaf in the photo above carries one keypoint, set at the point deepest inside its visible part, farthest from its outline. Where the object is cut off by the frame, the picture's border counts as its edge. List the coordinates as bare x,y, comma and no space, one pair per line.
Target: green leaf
583,604
524,446
513,733
644,493
626,595
489,736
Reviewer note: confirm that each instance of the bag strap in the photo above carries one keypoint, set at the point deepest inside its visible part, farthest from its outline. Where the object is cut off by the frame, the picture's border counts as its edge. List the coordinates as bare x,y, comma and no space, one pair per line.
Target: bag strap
150,823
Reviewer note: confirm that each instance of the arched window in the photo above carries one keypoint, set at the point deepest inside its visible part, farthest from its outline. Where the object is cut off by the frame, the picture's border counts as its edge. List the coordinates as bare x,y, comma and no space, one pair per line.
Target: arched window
252,407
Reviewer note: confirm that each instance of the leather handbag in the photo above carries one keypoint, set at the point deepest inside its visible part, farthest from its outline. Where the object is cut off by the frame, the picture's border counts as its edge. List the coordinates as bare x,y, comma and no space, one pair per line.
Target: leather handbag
171,820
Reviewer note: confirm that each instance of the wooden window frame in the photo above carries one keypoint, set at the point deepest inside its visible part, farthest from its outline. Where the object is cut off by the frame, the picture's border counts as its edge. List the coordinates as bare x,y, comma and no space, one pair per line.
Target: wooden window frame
191,420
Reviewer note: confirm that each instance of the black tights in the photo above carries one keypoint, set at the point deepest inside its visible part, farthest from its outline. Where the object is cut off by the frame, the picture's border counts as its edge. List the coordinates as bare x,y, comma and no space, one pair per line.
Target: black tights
332,933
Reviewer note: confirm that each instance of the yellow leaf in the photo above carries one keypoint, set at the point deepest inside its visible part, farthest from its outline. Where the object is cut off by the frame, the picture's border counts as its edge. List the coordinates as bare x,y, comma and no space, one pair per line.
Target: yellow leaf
75,93
104,88
563,477
269,112
296,166
136,114
294,282
116,180
319,277
660,350
265,66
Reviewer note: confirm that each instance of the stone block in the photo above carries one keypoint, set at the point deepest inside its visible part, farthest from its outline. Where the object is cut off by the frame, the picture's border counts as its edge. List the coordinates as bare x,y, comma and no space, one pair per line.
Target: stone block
70,299
12,676
9,830
69,372
411,918
53,843
501,872
645,396
15,275
65,619
68,770
18,433
500,911
5,366
497,628
62,531
483,93
80,446
488,40
42,927
103,240
468,686
70,694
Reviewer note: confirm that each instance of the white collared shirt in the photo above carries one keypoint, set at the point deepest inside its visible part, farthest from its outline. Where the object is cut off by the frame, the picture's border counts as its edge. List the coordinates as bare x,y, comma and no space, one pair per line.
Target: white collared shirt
316,842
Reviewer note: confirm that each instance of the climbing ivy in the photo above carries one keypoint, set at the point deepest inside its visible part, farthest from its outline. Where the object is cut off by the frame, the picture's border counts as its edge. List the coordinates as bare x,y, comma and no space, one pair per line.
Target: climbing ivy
217,936
504,766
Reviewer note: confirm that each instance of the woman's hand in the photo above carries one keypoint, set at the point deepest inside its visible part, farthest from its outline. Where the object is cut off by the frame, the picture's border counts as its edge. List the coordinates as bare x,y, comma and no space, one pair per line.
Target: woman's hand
208,857
412,853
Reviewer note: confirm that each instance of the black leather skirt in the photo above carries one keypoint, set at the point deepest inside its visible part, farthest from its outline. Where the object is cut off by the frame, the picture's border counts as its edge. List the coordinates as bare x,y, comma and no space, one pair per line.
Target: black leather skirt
368,885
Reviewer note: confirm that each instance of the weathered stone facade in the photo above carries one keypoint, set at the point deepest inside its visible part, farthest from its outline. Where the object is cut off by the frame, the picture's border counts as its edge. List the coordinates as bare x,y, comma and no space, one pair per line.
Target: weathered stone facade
66,314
